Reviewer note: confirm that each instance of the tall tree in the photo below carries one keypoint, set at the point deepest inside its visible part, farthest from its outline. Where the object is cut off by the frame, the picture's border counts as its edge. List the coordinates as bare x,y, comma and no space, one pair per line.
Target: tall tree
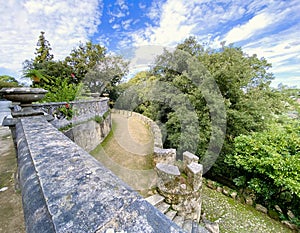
43,50
106,74
84,58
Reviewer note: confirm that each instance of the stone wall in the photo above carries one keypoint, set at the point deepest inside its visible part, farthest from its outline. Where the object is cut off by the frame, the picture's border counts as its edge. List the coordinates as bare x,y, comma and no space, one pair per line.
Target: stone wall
181,185
90,134
64,189
82,127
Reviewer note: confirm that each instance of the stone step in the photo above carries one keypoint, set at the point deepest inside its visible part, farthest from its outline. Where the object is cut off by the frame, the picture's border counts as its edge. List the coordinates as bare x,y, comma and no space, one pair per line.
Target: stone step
188,225
171,214
163,207
155,199
199,229
179,220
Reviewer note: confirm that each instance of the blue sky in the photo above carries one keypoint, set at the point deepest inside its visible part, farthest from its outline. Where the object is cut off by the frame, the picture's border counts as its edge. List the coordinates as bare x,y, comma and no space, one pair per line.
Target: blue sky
268,28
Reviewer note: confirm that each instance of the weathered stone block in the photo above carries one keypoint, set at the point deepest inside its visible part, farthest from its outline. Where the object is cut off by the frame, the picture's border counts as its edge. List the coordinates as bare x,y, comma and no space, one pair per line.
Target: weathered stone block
194,173
167,156
167,176
188,158
261,208
65,189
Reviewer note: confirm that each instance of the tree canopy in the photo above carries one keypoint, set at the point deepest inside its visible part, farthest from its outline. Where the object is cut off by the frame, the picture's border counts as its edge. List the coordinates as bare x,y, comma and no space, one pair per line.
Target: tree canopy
87,66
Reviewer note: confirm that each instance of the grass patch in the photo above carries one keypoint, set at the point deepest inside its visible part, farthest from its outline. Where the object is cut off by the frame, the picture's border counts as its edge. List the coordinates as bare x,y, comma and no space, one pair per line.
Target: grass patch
236,217
120,156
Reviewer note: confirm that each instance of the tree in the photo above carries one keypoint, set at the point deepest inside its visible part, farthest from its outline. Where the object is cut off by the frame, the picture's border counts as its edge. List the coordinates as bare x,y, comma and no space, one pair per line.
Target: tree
8,81
43,50
106,74
85,58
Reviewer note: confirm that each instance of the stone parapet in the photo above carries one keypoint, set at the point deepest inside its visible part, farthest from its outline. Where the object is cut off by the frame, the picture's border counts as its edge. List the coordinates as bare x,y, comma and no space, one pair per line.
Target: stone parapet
181,185
81,111
188,158
164,155
64,189
194,173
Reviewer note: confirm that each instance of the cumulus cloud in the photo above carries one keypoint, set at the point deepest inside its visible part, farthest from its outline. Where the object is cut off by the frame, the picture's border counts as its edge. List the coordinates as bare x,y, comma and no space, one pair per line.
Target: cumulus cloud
65,23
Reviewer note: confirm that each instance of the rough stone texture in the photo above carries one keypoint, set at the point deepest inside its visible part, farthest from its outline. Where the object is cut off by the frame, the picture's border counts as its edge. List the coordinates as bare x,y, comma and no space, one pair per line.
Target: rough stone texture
261,208
211,184
234,195
184,194
188,158
194,173
90,134
168,169
83,110
64,189
167,176
155,199
164,155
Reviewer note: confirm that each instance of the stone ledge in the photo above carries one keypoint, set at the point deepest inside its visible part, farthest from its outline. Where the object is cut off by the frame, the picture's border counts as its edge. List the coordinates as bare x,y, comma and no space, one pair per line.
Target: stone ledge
64,189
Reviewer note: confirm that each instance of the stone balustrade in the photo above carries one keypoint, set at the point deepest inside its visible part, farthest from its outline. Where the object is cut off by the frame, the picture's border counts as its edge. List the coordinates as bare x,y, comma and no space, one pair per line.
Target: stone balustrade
80,111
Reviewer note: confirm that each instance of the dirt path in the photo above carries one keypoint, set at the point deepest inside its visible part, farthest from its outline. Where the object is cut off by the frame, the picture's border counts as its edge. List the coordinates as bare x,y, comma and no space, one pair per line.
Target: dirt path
127,151
11,212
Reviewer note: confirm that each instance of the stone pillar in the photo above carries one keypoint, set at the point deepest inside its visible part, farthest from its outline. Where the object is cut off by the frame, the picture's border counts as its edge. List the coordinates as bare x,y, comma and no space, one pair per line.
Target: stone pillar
167,176
167,156
188,158
182,191
194,174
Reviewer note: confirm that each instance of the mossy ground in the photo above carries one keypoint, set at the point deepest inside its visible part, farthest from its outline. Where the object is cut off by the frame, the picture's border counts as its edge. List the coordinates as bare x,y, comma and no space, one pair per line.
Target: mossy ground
235,217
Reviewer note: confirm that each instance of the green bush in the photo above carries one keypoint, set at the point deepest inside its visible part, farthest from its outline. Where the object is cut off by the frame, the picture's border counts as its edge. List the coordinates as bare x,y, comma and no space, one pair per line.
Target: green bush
269,164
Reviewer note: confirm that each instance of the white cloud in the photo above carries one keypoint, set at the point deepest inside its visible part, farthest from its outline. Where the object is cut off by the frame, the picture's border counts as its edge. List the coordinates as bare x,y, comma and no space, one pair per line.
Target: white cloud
126,23
281,49
65,23
122,4
245,31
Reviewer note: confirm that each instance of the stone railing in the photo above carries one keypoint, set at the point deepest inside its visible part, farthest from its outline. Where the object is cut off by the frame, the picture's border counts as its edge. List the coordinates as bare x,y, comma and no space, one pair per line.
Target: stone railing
74,112
64,189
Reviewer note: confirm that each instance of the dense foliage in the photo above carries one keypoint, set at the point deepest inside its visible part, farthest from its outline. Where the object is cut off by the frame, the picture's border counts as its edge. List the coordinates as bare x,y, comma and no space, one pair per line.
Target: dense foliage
269,164
8,81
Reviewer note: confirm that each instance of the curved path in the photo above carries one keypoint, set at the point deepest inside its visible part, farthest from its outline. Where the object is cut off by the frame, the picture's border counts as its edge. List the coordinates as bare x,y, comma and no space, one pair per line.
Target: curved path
127,151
